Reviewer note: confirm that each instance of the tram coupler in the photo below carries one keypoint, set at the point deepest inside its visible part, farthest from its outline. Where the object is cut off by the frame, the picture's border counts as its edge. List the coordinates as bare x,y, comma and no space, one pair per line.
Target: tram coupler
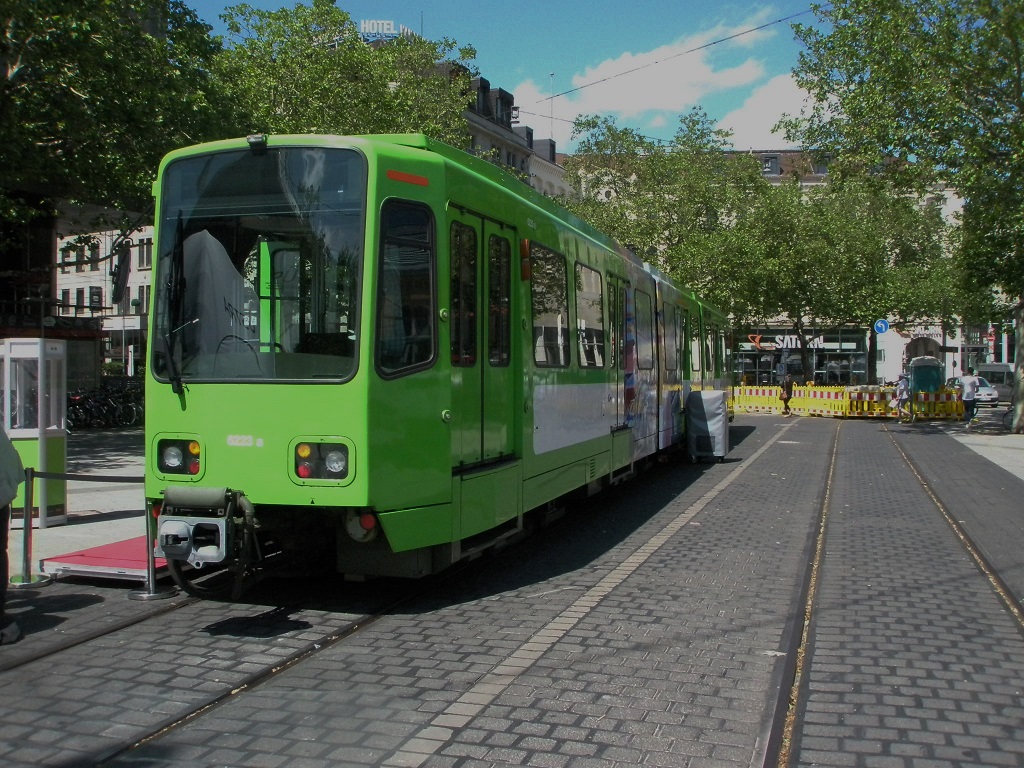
202,525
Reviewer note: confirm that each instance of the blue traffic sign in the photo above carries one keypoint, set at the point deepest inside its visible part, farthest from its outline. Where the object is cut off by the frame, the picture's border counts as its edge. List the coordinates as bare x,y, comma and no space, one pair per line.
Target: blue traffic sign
881,326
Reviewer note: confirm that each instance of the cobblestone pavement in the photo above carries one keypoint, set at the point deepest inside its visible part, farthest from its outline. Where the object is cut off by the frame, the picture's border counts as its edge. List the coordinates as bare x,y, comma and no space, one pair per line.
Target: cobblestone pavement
914,657
654,625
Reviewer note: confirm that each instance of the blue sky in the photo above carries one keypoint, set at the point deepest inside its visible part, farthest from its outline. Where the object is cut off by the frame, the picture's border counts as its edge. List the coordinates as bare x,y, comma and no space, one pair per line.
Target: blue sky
743,83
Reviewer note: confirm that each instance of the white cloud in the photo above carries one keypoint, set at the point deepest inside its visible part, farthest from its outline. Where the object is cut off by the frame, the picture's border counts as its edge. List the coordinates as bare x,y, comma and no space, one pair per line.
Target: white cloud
646,90
752,123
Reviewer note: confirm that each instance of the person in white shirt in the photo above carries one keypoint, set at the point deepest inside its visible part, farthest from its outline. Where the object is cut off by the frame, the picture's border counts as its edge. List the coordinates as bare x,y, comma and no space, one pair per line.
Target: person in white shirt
903,397
969,394
11,476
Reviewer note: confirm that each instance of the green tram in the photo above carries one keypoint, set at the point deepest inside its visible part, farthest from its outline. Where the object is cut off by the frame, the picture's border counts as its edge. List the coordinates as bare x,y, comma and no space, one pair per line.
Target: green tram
382,353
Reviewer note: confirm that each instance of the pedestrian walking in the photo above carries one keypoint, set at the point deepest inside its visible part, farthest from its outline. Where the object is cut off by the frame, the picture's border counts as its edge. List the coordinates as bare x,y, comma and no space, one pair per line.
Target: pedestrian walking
786,394
12,474
903,397
969,393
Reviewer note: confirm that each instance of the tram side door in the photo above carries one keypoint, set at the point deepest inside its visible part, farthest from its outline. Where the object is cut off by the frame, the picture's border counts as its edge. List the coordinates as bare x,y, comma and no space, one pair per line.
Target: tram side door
620,388
481,340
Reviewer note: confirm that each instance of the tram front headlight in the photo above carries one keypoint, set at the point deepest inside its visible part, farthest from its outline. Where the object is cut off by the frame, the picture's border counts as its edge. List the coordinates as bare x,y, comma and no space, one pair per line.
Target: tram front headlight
336,462
172,457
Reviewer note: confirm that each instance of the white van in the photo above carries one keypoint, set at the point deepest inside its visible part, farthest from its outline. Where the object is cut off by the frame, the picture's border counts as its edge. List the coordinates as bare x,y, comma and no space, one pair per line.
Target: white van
999,375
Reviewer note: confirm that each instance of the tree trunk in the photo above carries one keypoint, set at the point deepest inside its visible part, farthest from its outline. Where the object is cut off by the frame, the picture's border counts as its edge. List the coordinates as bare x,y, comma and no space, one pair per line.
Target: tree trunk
1018,372
872,356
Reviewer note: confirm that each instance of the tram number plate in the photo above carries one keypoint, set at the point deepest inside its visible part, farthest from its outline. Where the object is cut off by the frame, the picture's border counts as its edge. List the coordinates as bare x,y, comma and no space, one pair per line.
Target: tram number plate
244,441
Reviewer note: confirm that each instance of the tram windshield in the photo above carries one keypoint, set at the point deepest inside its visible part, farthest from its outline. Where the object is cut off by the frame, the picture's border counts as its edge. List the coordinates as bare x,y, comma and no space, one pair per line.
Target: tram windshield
259,266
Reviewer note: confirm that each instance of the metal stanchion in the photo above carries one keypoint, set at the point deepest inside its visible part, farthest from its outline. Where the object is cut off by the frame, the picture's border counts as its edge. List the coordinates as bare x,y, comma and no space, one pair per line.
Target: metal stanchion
26,579
152,591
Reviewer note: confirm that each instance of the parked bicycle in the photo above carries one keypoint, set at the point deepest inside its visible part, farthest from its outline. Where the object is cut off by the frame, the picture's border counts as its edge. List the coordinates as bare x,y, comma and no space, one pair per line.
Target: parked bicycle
115,403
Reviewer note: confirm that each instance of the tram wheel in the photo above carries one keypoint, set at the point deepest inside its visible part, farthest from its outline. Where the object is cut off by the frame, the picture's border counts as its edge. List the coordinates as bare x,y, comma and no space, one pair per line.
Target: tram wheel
206,583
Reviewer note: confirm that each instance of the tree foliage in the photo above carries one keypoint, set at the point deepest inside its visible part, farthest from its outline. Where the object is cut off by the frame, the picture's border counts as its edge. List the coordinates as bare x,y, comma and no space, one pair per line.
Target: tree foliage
931,89
927,89
674,204
92,94
814,257
851,251
305,69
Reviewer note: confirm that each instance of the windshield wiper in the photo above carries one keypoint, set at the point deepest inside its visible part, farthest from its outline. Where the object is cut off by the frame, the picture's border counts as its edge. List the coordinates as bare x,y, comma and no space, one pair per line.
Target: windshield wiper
175,288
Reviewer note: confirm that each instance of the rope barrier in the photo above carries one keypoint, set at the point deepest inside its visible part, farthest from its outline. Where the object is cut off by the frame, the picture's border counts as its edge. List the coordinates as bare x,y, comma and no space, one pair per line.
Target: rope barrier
151,592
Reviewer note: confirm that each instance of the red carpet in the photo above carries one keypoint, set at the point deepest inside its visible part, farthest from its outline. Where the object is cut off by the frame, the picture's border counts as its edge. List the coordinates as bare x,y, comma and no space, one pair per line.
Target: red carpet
121,559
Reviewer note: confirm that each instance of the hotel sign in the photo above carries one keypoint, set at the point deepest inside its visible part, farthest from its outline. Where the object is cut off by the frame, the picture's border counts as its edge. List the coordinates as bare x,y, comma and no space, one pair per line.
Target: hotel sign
382,29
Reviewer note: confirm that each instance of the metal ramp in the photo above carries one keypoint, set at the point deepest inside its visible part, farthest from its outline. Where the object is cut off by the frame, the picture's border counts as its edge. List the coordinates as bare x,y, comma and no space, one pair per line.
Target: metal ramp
118,560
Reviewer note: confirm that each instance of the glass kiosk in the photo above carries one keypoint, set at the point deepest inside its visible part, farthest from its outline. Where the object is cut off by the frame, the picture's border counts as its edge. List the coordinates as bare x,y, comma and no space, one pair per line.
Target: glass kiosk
33,401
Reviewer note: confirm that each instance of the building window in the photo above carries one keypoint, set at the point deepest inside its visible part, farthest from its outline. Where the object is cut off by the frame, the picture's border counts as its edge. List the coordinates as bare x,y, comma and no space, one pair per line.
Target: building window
146,253
79,300
94,257
142,302
65,301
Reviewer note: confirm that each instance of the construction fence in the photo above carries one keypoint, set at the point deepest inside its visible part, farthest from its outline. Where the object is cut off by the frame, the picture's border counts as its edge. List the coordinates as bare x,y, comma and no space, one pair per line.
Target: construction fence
847,402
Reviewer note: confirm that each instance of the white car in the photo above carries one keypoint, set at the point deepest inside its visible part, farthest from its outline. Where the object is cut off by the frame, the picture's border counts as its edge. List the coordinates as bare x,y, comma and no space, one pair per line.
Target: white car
987,394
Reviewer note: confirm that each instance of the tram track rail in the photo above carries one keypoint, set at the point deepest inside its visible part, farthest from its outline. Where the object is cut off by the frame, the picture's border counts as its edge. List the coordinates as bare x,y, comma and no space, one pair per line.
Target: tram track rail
249,683
778,754
50,650
780,741
54,654
1005,594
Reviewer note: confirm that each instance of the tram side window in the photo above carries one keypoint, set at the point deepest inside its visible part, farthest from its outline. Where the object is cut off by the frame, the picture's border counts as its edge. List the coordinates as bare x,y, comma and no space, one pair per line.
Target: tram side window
727,364
405,314
499,280
589,317
672,339
695,344
709,359
463,287
644,331
550,307
684,343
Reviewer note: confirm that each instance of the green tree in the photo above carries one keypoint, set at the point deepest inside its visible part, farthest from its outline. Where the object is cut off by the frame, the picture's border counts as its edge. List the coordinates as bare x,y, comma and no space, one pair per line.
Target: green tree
92,94
818,257
675,204
305,69
843,253
929,89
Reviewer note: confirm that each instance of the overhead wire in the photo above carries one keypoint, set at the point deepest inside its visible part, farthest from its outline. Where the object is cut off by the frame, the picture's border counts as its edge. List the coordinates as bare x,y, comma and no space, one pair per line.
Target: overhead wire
708,44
